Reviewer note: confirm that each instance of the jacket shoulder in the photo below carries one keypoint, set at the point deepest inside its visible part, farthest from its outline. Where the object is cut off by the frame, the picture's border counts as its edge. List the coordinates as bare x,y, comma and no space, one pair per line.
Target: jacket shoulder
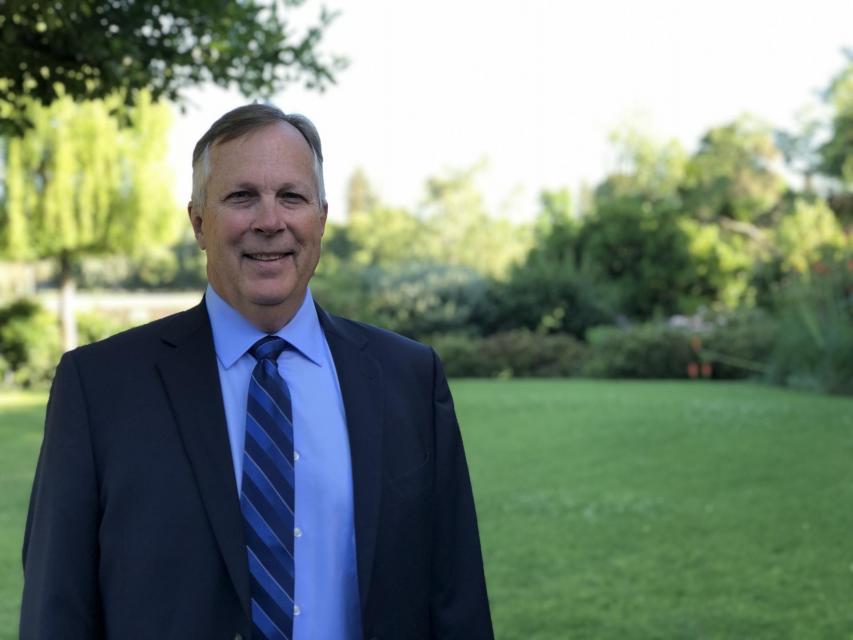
375,338
144,341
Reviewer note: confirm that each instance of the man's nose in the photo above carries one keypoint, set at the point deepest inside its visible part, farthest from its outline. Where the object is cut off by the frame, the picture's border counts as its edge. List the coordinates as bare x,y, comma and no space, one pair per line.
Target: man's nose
269,217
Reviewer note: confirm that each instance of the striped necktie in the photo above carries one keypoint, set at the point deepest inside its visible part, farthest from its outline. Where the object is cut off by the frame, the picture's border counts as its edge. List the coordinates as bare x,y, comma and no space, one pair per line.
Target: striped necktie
267,497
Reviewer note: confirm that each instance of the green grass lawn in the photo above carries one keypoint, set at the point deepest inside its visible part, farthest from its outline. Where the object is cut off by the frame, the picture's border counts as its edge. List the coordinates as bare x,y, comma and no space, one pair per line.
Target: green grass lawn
620,509
21,422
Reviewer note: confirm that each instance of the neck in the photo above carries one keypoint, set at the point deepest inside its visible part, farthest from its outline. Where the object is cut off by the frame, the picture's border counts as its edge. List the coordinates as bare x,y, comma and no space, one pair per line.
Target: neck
271,318
268,318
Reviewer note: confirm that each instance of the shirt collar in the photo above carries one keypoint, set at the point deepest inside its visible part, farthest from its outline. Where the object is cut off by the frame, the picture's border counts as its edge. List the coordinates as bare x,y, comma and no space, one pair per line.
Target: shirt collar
233,335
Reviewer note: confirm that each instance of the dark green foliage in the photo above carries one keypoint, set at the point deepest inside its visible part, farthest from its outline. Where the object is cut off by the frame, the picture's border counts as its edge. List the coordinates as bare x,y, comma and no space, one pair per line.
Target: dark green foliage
837,152
842,206
739,344
766,277
423,299
461,356
638,250
732,174
814,348
556,231
520,354
29,340
544,297
644,351
91,48
415,299
29,343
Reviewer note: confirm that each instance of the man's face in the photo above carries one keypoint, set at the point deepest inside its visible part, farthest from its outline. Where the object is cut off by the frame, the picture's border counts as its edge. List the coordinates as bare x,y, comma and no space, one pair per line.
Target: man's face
262,223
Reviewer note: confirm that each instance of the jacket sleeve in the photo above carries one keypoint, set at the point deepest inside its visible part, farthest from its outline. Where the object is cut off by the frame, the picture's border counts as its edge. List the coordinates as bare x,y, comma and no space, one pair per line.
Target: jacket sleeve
459,604
60,553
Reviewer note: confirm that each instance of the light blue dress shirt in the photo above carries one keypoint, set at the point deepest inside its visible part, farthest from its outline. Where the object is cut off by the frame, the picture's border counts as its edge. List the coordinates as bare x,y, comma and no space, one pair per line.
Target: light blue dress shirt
326,590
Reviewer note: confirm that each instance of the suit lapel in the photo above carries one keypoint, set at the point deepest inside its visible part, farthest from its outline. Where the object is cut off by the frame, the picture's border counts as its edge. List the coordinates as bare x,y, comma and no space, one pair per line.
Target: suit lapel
191,378
359,376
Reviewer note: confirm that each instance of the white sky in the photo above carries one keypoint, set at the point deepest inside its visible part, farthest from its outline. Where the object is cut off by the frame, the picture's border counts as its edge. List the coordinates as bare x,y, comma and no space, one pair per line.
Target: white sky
534,87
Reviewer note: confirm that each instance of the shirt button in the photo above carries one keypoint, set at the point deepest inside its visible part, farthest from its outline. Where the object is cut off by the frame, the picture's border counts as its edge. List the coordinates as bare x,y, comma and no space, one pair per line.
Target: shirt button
297,532
296,610
296,455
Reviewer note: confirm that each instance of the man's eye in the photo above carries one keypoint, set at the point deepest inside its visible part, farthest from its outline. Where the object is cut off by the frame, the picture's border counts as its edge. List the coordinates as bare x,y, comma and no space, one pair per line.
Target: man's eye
238,195
292,196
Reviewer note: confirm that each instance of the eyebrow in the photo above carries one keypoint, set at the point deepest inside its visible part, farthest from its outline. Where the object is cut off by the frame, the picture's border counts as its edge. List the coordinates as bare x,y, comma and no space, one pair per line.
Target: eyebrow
286,186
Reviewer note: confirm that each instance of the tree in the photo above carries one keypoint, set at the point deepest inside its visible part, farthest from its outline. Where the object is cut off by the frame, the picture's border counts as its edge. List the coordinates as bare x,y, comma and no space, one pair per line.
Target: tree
361,197
837,152
800,147
639,253
732,178
77,183
555,230
387,237
92,48
644,166
809,228
461,232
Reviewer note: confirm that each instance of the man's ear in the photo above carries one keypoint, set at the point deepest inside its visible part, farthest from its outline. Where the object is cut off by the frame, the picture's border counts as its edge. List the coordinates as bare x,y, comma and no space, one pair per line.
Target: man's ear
197,222
324,213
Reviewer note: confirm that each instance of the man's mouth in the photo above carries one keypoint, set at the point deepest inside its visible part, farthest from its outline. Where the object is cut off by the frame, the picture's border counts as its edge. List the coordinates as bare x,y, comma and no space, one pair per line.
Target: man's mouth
267,256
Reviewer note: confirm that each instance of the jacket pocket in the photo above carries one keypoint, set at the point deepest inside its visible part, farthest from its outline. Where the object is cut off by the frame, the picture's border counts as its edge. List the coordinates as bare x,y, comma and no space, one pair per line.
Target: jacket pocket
413,482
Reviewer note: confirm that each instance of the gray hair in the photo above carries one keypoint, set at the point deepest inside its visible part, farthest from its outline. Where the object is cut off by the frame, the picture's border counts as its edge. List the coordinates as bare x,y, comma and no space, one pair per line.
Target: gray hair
240,122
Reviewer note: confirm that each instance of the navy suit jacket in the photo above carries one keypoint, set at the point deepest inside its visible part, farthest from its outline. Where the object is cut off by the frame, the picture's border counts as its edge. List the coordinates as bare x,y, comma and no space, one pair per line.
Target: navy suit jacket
135,530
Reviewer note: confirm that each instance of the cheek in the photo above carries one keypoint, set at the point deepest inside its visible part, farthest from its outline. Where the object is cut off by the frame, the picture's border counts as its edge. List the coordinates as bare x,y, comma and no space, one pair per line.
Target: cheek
227,234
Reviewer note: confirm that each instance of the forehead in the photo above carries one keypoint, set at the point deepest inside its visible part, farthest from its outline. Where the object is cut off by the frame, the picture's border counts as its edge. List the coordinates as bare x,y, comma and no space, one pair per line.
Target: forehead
276,150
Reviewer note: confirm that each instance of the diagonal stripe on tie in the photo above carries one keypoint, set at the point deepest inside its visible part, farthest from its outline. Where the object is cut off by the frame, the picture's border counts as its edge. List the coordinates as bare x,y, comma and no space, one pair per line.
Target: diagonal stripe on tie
272,400
268,495
272,516
272,422
265,445
271,487
262,425
272,593
262,621
267,462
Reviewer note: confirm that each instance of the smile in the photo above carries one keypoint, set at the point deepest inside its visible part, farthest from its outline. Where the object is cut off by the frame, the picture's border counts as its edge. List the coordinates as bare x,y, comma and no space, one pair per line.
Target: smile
267,257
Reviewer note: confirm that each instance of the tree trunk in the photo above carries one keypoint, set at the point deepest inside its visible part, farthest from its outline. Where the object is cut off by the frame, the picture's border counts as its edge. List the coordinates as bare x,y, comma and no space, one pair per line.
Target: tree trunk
68,321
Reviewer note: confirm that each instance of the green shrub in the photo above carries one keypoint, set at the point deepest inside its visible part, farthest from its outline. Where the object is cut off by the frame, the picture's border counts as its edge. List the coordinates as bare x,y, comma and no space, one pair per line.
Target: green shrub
422,299
542,298
814,349
526,354
643,351
520,354
740,344
461,356
92,327
29,343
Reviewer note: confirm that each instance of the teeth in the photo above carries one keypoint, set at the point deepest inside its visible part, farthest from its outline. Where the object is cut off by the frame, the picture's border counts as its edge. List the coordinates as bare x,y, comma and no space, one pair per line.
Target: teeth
266,257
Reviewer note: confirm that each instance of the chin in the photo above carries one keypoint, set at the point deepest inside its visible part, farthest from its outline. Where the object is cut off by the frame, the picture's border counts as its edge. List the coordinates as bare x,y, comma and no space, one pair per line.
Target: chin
275,297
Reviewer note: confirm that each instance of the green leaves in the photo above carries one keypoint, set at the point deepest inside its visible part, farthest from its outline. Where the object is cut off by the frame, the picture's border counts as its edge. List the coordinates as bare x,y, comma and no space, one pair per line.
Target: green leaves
90,49
79,182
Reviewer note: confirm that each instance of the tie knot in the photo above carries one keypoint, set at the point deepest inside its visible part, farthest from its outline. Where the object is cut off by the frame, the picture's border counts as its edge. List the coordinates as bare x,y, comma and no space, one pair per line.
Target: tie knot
268,348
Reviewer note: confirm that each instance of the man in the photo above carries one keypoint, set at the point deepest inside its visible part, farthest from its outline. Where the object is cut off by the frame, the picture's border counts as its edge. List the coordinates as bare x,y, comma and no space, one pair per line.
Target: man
253,467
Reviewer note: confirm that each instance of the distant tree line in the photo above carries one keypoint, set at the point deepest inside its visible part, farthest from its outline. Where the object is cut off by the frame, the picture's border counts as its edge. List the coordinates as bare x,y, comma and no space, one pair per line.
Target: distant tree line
730,260
734,258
